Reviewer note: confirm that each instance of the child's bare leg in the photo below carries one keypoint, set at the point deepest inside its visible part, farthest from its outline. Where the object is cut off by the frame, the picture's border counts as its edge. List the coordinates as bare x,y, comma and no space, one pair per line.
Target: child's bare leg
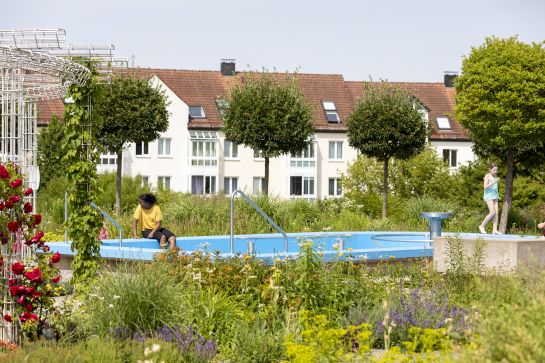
163,241
172,241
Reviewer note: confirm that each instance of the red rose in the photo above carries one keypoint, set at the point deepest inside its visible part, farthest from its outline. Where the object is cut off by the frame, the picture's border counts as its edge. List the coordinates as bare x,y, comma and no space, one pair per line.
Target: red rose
34,275
2,206
37,219
8,318
12,282
27,208
37,237
28,290
8,204
56,279
45,249
1,260
41,244
56,258
21,299
26,316
13,226
15,199
29,307
36,294
16,183
4,172
14,290
28,191
18,268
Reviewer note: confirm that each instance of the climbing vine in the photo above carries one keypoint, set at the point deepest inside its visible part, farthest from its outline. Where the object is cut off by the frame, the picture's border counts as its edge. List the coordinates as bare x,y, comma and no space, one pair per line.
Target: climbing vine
79,162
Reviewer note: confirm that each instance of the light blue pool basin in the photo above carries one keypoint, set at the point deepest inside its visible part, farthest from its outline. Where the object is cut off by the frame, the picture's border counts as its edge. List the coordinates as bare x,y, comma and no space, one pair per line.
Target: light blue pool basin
357,245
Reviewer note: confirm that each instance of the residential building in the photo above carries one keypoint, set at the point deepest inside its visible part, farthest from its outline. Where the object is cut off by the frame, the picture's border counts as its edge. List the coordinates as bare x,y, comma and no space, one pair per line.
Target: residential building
194,156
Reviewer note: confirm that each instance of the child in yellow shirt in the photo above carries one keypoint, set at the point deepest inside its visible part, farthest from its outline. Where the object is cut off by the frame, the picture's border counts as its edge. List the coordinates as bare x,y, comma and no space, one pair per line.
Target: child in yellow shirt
148,214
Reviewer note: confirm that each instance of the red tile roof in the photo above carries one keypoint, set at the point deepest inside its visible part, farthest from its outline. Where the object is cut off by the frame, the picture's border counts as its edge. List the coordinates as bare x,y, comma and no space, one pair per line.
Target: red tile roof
202,88
438,99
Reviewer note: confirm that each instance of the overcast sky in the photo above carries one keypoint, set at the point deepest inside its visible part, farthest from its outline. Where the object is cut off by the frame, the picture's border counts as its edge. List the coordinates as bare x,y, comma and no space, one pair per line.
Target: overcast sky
395,40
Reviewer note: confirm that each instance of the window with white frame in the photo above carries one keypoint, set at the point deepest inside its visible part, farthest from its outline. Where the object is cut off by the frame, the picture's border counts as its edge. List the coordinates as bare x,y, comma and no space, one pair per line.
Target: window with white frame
108,159
163,182
203,184
196,112
331,112
257,185
335,150
163,147
335,187
230,184
258,154
142,149
304,159
302,186
230,149
450,156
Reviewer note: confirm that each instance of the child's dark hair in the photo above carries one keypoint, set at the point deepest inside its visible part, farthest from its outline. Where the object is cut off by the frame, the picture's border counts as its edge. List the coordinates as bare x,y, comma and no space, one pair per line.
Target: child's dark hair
491,166
148,198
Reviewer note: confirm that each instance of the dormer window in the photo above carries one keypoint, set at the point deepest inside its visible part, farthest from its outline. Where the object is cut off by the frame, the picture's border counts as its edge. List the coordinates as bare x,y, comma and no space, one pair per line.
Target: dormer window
443,123
331,112
196,112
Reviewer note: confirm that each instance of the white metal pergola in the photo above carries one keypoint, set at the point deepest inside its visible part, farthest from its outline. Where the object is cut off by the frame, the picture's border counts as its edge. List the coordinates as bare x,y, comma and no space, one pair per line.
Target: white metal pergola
36,65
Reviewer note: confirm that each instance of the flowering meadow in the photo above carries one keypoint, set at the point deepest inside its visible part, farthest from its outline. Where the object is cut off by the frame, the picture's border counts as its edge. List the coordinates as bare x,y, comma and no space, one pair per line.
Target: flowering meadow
203,308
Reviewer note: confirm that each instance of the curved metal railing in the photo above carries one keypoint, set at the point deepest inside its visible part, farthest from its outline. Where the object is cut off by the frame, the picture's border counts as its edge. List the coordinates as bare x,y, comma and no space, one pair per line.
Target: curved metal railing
263,214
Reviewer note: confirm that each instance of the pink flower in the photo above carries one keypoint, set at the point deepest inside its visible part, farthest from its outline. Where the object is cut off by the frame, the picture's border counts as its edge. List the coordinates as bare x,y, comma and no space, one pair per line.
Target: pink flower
27,208
18,268
21,299
16,183
56,258
56,279
28,191
13,226
34,275
8,318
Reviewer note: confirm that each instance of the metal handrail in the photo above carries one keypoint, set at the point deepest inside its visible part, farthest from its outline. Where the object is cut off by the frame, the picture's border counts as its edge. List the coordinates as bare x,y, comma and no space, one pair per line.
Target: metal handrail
263,214
107,216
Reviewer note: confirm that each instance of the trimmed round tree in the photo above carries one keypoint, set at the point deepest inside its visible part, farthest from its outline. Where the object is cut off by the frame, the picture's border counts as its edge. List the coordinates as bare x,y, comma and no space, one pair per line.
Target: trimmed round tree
386,123
268,112
133,110
500,99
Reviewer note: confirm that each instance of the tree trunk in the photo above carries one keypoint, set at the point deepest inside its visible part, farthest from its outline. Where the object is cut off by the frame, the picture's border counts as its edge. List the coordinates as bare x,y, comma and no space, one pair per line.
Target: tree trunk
118,183
508,194
385,191
266,179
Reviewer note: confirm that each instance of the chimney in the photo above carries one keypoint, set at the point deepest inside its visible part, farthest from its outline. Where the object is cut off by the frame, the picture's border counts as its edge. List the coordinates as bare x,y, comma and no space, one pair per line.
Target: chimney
227,67
449,78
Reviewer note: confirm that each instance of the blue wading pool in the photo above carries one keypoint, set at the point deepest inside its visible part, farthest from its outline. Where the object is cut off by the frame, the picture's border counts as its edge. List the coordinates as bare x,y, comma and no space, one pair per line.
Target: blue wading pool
359,245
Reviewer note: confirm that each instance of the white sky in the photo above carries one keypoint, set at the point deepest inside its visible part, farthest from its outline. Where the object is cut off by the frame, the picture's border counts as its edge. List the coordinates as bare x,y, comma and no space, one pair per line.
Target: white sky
398,40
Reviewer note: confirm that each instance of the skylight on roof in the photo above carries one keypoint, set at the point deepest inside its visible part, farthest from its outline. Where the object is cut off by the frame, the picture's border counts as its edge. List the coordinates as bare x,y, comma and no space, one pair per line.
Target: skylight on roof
331,112
329,106
196,112
443,123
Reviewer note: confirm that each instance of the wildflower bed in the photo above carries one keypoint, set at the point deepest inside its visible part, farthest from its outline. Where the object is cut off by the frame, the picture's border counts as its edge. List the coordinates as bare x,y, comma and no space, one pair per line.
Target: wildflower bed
203,308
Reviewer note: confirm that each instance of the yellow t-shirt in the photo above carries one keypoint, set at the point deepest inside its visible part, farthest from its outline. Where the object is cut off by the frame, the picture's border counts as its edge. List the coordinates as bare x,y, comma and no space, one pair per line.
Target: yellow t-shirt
148,217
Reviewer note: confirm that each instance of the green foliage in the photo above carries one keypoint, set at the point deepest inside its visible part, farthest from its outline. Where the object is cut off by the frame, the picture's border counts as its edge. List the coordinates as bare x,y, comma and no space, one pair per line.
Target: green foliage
318,341
137,297
386,124
500,97
79,161
50,152
133,111
268,113
255,343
